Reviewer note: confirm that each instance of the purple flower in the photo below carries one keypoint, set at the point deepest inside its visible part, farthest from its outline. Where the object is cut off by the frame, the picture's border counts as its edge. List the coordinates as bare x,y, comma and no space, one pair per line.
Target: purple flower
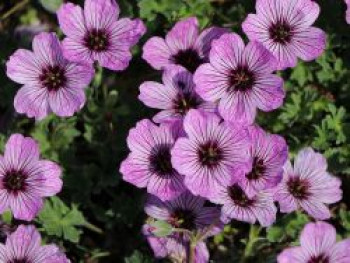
24,245
50,82
318,245
175,97
347,11
25,179
308,185
269,153
238,205
285,28
240,78
149,163
183,46
184,212
96,34
213,153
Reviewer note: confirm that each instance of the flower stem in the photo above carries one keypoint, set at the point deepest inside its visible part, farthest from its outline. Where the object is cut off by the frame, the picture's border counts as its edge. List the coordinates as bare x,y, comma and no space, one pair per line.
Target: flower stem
14,9
254,232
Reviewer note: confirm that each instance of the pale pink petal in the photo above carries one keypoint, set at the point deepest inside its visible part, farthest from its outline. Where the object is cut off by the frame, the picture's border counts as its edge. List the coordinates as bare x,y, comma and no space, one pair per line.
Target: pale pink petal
156,53
72,21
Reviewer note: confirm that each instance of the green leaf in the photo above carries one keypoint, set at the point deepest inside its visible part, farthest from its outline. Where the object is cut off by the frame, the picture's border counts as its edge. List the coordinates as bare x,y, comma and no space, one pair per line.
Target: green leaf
59,220
137,257
51,5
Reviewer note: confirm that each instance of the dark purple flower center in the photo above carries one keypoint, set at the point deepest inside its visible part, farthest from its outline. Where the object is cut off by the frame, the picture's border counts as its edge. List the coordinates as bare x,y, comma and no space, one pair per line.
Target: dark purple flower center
182,218
160,160
281,32
299,188
14,181
23,260
258,169
53,77
184,102
210,154
239,197
241,79
319,259
189,59
96,40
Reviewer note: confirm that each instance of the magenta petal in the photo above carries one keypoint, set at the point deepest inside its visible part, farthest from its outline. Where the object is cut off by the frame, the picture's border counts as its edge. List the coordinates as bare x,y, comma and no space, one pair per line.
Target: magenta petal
71,20
205,39
100,13
156,53
74,50
47,48
51,176
25,206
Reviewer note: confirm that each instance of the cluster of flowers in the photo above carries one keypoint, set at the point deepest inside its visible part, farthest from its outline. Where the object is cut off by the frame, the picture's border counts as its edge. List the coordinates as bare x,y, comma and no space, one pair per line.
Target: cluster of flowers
54,77
203,145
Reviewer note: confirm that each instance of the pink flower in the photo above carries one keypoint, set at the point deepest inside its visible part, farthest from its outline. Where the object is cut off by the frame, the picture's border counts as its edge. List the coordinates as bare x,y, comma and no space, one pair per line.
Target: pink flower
211,153
240,78
183,46
269,153
318,245
285,28
24,245
308,186
175,97
347,11
96,34
149,163
25,179
50,82
238,205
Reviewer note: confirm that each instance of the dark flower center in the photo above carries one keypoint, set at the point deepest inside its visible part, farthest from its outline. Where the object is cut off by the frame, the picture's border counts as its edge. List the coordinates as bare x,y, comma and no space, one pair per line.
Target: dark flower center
184,102
319,259
258,169
239,197
53,78
96,40
15,181
182,218
19,261
189,59
241,79
160,160
281,32
210,154
299,188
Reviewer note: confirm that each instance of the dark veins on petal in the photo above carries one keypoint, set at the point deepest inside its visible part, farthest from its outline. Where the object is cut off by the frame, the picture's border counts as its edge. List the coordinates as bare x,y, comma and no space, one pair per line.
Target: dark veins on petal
281,32
19,261
241,79
160,160
182,218
185,101
239,197
96,40
258,169
319,259
210,154
53,77
15,181
189,59
299,188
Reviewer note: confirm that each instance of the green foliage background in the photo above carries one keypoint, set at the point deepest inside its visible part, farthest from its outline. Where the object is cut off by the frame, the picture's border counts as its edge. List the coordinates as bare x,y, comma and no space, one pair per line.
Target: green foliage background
98,217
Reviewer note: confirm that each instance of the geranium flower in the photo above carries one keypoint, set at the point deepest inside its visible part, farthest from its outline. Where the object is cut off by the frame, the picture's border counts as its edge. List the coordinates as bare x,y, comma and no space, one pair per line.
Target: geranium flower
96,33
347,11
285,28
238,205
308,186
50,82
211,153
186,212
149,163
269,153
318,245
184,45
25,179
240,78
24,246
175,97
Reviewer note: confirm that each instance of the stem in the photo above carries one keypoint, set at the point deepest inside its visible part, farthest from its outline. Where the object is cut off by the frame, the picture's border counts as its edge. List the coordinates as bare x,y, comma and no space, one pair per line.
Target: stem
254,232
14,9
93,228
192,252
